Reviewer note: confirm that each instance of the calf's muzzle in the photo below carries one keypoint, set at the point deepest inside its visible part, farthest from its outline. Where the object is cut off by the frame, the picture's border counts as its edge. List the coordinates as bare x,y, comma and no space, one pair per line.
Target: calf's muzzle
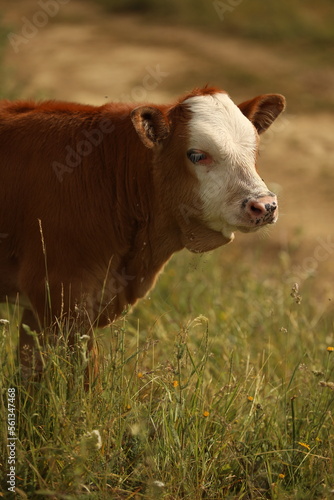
263,210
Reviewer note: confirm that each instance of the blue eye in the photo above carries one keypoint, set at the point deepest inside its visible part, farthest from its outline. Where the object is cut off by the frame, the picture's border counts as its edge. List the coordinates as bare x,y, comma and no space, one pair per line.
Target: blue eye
195,156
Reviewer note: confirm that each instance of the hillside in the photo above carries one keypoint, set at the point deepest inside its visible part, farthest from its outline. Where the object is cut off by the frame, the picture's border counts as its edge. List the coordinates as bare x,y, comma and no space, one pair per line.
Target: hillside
85,54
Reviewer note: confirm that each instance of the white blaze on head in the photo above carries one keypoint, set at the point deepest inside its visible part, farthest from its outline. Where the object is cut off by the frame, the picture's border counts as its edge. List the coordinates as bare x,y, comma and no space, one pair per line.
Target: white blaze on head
218,128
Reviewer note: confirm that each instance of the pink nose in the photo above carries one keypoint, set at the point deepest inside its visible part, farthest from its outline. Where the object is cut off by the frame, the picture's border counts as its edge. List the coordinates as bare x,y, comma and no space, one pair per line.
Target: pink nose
262,210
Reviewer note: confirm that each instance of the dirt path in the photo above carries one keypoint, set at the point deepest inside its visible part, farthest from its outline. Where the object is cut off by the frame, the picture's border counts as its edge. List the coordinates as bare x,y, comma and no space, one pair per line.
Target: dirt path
82,54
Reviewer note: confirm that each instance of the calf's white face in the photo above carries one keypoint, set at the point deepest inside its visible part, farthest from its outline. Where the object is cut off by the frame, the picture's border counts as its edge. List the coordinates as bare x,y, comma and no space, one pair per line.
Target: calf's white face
222,155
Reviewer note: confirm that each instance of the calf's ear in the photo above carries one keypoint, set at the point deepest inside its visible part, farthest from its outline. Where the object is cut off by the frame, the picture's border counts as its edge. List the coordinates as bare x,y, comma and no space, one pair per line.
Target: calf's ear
263,110
151,125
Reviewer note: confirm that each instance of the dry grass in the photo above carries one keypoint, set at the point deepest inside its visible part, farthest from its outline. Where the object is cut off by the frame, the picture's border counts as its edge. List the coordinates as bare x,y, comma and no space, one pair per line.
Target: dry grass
213,387
220,383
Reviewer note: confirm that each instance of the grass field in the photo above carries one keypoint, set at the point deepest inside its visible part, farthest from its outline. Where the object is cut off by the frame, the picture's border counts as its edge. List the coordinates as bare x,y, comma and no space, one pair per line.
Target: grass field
220,383
300,21
213,387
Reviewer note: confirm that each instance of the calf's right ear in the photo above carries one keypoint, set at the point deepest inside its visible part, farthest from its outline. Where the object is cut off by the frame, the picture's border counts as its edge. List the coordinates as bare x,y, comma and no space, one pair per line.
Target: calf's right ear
263,110
151,125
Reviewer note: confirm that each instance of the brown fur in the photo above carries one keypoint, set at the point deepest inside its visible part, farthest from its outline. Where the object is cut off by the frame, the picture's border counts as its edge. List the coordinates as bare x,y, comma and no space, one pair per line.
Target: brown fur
93,202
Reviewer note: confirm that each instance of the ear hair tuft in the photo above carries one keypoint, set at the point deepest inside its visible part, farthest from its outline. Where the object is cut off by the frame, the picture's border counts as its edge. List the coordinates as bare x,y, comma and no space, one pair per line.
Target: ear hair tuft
151,125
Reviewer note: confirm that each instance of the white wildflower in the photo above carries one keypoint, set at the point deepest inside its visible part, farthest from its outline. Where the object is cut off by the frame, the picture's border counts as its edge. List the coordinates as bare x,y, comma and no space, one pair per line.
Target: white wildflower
91,441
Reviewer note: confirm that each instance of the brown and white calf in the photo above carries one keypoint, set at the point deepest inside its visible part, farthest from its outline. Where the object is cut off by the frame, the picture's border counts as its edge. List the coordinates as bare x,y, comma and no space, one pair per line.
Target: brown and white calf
95,200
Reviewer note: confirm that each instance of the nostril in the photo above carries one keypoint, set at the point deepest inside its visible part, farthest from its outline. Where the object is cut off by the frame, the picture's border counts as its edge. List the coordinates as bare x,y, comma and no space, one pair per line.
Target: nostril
256,210
262,210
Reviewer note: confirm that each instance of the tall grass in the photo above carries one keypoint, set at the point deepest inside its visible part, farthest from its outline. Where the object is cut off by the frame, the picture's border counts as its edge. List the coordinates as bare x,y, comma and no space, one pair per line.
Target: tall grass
218,385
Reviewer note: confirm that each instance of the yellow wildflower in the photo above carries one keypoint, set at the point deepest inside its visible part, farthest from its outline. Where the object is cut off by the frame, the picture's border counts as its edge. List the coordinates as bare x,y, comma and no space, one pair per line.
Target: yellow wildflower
140,375
206,413
304,445
281,476
330,348
250,398
175,383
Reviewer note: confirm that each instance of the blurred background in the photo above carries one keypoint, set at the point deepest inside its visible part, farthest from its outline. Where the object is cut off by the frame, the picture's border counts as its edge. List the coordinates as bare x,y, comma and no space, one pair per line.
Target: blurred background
149,50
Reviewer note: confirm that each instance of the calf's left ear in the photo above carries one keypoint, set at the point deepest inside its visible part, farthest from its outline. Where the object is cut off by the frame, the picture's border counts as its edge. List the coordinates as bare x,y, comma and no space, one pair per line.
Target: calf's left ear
151,125
263,110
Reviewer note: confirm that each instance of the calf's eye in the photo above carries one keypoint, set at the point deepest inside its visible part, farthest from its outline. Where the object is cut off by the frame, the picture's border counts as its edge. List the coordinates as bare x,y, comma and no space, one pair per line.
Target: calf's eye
196,156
